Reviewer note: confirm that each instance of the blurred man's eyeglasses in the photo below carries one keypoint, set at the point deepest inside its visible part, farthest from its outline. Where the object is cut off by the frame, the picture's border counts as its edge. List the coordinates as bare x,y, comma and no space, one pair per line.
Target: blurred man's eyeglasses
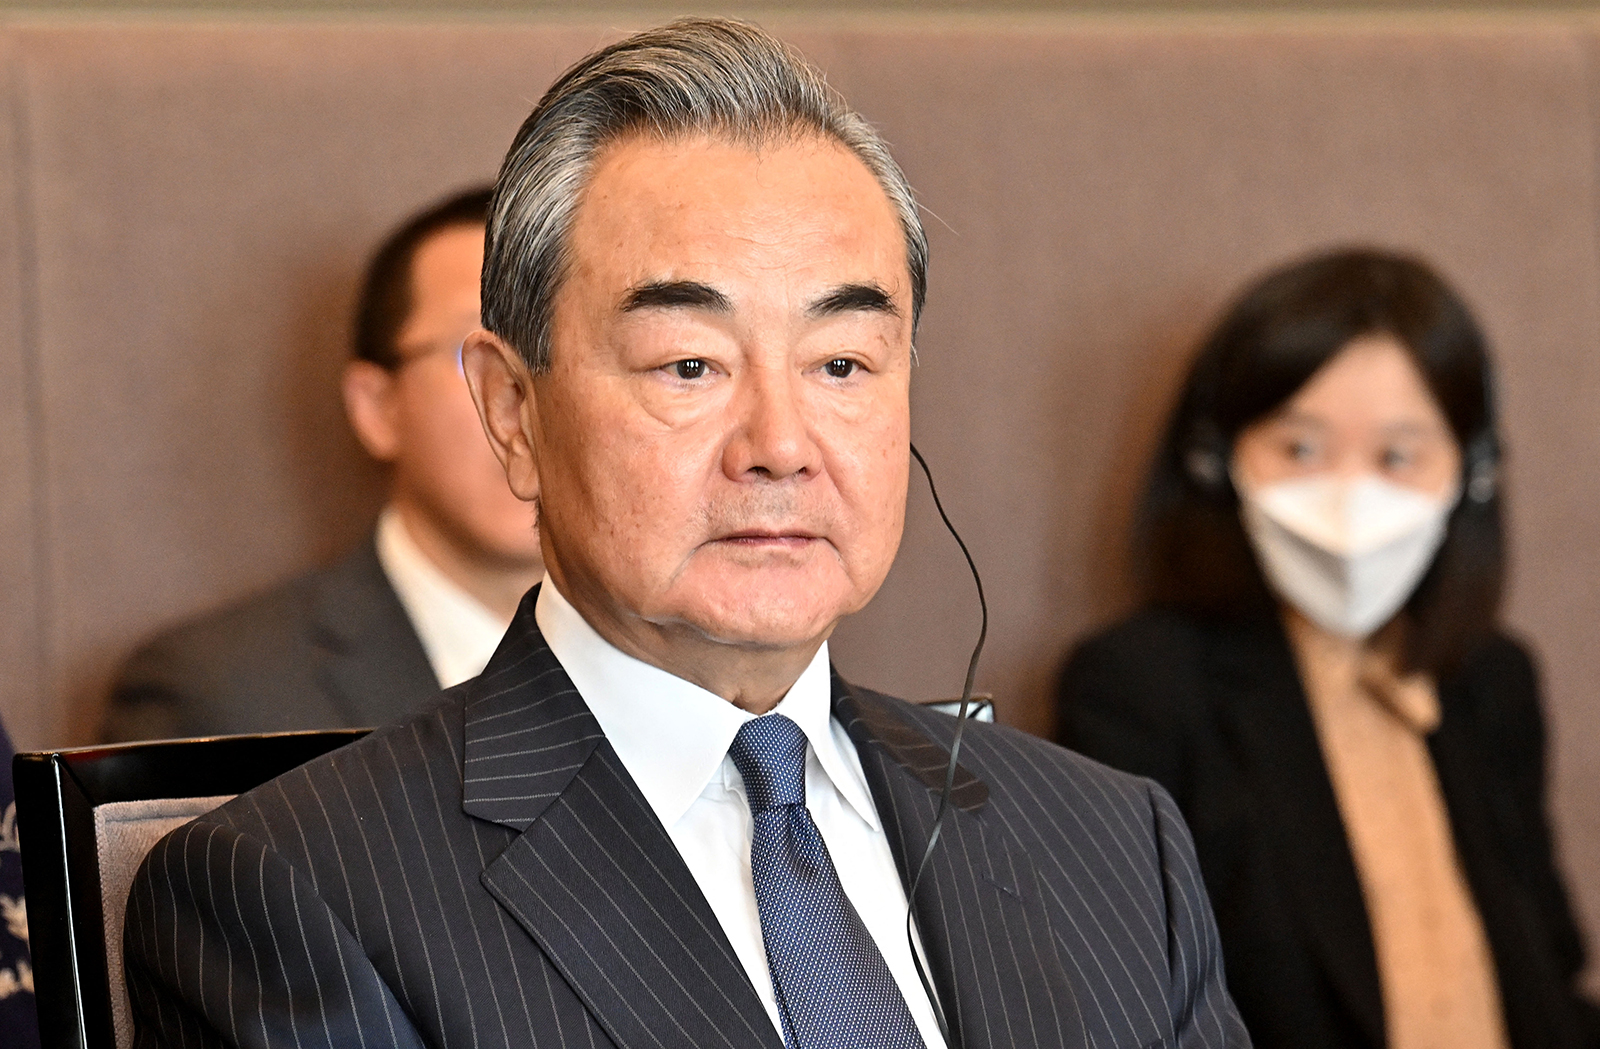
454,349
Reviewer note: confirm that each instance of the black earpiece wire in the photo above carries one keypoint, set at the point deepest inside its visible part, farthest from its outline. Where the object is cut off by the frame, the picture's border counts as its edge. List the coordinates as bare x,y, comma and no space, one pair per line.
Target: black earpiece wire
955,753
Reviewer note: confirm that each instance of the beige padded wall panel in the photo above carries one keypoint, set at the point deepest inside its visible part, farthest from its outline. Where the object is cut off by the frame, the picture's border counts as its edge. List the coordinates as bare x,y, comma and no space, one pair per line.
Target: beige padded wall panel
1096,190
23,703
206,197
1558,592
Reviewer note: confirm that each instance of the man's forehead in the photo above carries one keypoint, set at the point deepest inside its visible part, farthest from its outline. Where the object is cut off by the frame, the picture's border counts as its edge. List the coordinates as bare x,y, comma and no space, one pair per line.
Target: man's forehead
638,161
660,209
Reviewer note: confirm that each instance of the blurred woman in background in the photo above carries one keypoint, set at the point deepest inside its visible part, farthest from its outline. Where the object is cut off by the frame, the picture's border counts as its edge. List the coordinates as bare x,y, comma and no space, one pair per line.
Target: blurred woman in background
1319,679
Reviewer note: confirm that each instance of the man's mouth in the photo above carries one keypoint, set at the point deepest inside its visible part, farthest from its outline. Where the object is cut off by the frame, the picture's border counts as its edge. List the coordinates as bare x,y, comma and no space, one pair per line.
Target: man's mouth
774,538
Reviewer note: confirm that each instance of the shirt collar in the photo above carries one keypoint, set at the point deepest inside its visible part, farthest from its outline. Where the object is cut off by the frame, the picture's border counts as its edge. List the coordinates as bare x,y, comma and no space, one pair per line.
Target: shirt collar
672,735
457,631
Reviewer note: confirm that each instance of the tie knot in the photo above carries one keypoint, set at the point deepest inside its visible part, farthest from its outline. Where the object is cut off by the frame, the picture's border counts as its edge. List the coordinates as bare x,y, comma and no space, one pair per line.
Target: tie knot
770,753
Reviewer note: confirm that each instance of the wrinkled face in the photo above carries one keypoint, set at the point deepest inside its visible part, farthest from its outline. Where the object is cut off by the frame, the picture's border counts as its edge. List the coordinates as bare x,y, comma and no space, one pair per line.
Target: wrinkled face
1367,411
443,465
722,437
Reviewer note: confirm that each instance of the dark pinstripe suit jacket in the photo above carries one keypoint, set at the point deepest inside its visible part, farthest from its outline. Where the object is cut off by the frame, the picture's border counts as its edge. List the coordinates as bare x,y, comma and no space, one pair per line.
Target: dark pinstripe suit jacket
487,874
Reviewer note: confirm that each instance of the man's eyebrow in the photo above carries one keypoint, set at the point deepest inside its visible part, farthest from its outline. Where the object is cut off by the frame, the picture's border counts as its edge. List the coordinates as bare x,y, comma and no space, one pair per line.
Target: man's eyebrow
850,297
675,294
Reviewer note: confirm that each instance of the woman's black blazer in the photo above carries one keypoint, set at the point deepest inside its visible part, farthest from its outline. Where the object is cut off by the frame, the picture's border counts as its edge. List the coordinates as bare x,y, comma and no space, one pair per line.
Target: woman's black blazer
1214,711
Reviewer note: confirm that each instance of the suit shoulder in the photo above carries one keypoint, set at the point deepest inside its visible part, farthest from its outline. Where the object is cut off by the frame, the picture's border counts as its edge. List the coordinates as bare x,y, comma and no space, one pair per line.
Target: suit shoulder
210,889
255,646
303,814
330,647
1151,663
219,672
1149,637
1053,761
398,754
1010,760
260,626
1497,692
1502,661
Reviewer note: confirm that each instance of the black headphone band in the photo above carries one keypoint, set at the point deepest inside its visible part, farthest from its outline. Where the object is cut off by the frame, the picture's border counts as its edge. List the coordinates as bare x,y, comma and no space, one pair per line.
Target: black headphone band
1481,457
1205,453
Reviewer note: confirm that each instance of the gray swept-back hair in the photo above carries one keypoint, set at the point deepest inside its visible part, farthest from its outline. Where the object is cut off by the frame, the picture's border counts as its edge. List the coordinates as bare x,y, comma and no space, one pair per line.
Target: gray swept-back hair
693,76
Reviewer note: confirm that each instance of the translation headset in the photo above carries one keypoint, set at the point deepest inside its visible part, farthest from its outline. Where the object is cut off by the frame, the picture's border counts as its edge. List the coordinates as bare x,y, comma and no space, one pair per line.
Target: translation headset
951,763
1206,453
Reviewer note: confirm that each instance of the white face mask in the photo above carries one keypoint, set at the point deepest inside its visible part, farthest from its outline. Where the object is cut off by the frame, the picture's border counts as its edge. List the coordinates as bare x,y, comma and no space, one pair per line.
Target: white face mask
1346,552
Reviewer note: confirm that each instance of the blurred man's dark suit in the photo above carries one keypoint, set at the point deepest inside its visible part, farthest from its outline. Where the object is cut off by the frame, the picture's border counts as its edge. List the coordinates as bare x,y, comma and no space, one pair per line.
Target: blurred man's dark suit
330,649
487,873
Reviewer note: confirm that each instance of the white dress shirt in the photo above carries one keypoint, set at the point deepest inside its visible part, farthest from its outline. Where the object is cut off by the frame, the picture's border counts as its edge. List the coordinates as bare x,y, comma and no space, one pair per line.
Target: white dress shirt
673,738
458,633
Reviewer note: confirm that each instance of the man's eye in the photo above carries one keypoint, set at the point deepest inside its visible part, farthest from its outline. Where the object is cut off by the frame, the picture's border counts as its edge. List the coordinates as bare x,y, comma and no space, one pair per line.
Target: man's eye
690,369
841,368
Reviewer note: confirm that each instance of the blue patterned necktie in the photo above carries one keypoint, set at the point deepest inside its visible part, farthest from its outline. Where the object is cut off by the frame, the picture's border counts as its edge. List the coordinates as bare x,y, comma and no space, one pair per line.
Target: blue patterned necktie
834,990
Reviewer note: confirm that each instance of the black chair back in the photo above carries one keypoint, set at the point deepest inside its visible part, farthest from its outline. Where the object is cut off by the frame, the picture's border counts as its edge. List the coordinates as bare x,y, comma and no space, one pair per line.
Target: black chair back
57,794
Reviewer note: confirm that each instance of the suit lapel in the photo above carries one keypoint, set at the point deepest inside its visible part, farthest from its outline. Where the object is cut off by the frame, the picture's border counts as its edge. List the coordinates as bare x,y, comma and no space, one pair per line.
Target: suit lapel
1269,719
593,877
980,910
374,668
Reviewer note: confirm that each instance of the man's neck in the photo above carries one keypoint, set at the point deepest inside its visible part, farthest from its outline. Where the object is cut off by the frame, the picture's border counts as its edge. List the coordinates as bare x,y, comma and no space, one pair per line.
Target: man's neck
752,678
496,585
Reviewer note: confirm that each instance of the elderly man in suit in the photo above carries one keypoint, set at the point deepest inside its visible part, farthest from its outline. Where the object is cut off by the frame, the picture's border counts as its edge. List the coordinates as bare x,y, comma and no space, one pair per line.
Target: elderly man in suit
657,818
424,601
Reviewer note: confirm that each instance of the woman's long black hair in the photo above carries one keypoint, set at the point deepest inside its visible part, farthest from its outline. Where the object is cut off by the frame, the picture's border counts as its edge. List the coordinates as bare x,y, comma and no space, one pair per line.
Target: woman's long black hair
1285,327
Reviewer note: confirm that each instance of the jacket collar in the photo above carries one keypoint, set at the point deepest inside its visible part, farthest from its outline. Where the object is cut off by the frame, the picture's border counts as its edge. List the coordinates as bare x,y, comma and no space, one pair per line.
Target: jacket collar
371,662
525,686
873,721
527,733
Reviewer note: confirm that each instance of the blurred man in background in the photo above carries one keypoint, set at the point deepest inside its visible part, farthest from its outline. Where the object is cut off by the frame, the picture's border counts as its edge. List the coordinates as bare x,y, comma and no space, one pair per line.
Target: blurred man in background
425,601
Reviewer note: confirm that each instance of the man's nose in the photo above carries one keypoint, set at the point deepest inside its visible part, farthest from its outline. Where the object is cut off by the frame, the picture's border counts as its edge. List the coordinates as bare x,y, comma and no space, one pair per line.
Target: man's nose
771,435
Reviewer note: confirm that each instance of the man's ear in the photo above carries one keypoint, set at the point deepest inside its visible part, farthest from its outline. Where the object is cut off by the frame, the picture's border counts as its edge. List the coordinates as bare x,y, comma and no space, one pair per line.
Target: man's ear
369,404
502,388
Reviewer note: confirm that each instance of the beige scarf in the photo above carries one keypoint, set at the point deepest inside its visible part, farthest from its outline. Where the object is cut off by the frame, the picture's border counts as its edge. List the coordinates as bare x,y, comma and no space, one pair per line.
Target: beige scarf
1437,975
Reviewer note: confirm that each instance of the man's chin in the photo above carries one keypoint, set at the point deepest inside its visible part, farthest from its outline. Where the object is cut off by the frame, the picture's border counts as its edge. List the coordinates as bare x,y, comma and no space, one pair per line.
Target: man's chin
773,610
763,635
